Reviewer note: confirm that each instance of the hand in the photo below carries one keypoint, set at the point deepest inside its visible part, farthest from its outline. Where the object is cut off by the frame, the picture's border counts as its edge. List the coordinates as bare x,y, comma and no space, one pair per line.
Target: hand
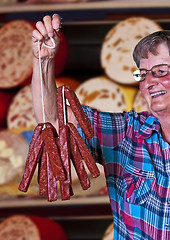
45,29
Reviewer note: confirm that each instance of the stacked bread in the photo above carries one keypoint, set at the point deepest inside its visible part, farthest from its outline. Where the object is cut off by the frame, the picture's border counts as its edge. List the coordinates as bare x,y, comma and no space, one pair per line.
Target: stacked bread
116,90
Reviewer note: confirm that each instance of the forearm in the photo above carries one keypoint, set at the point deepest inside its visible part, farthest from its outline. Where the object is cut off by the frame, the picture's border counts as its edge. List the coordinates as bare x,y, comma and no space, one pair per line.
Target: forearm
49,91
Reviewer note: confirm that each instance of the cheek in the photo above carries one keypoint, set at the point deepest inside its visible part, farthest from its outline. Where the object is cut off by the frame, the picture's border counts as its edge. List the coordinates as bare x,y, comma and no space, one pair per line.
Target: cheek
166,81
141,86
144,91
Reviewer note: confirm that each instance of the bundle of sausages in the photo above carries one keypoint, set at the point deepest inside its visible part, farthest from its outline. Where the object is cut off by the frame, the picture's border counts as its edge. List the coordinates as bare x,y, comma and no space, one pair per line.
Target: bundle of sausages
53,151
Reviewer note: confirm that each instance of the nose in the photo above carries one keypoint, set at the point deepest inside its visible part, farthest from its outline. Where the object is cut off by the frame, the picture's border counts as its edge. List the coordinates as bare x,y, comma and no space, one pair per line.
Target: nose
150,80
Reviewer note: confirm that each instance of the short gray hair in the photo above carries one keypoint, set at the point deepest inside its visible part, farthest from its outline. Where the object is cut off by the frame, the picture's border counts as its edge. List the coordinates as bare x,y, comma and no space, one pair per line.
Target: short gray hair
149,44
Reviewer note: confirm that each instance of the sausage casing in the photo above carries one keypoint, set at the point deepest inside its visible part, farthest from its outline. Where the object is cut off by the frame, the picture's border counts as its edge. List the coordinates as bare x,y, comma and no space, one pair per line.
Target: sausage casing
78,164
42,176
85,153
53,153
31,164
64,146
52,183
78,112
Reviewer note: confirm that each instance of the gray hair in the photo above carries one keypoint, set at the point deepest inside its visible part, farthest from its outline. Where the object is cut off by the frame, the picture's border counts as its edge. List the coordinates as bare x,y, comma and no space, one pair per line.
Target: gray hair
150,44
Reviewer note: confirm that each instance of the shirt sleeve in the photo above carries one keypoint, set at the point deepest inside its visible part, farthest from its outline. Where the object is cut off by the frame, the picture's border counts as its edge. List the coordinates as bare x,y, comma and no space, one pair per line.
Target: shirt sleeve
109,131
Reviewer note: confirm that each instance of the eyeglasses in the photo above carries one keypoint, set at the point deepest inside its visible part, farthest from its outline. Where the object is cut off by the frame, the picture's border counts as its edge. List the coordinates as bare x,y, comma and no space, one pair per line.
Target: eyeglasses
157,71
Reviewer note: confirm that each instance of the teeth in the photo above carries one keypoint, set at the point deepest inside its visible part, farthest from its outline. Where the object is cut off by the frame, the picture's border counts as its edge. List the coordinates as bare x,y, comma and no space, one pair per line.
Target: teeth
158,93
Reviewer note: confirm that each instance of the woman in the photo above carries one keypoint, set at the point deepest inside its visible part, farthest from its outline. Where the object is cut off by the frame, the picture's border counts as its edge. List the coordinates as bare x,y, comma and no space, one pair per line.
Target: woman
133,147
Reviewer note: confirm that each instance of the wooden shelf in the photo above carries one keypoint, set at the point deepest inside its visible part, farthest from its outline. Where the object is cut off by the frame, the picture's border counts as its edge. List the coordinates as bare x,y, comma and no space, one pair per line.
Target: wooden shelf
26,202
98,5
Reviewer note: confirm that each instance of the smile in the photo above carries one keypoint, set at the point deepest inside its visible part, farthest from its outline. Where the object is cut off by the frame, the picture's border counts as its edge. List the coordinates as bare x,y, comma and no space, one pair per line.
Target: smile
156,94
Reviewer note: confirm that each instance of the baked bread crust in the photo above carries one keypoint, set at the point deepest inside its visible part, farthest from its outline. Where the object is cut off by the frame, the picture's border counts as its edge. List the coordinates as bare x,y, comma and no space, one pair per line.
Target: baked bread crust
103,94
20,113
15,53
19,227
118,45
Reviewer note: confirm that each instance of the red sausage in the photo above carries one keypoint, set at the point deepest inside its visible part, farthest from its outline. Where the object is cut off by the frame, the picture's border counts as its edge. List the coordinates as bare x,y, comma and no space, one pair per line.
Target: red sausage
85,153
49,125
78,112
78,164
31,164
53,153
60,106
65,156
43,188
52,183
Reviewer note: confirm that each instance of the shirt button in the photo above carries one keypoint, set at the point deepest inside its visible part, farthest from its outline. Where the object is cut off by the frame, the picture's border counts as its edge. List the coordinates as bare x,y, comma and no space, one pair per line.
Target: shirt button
166,225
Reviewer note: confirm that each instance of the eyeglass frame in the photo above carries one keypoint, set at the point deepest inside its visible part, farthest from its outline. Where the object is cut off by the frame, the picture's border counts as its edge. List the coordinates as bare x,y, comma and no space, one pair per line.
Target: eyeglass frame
151,70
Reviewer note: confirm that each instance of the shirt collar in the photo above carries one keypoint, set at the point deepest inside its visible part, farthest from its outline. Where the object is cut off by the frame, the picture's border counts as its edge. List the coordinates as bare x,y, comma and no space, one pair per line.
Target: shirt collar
151,124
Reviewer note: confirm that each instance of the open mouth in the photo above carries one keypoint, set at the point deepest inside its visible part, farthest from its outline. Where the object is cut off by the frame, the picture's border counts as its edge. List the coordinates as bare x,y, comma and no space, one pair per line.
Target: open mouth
157,94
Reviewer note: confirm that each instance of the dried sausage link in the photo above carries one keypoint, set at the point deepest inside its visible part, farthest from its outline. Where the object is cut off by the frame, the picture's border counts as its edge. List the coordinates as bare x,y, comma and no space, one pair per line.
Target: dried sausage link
78,112
31,164
78,164
85,153
43,187
52,183
64,146
53,153
60,106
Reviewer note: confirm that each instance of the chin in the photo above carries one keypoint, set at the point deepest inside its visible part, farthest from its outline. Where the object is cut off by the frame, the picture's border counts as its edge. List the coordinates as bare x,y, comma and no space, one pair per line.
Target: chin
157,111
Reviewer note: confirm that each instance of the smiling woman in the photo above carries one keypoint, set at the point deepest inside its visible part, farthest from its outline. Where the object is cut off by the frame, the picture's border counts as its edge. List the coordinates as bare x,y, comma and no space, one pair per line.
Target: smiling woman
154,87
133,147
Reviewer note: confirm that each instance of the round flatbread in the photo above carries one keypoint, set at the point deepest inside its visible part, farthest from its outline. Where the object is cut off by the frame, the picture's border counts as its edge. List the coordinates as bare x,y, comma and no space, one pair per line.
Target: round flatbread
20,113
118,45
19,227
102,94
15,53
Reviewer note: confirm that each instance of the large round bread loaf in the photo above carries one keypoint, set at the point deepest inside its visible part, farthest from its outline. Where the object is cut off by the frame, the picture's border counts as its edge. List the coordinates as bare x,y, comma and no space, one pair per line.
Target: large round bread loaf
15,53
19,227
22,227
118,45
102,94
20,113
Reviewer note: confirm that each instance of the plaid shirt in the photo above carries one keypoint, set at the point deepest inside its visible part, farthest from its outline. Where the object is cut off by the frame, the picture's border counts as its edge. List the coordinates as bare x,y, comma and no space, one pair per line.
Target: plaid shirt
137,166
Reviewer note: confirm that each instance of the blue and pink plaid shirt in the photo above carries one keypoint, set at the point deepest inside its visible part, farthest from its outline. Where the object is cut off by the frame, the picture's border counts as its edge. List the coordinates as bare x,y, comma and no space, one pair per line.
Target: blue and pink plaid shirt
136,160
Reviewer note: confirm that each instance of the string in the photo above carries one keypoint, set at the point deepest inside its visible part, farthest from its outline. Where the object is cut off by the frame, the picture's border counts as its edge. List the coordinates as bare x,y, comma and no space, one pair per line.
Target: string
41,78
64,106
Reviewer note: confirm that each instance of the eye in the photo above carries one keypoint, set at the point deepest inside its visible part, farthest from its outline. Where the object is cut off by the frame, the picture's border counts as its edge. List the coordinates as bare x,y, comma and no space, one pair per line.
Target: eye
143,75
160,72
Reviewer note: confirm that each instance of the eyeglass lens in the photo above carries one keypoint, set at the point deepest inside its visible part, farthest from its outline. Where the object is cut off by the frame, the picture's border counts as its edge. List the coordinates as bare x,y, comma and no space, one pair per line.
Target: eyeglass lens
157,71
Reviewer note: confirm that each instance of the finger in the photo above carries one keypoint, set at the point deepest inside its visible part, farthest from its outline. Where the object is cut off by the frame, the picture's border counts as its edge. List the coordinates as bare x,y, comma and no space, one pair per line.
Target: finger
56,22
48,25
41,28
36,36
